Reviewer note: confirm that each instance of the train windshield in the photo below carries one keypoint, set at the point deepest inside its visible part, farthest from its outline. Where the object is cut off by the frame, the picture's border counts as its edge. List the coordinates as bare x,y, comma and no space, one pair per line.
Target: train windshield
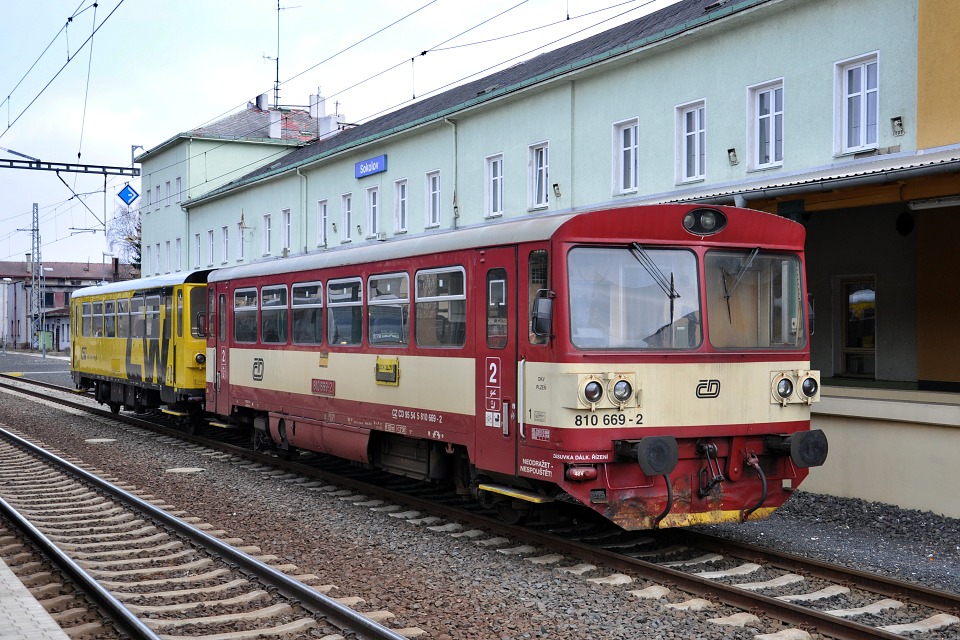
754,300
634,297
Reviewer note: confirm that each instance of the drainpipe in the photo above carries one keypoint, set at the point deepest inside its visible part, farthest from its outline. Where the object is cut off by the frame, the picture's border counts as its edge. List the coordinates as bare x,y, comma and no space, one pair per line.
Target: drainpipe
303,208
456,208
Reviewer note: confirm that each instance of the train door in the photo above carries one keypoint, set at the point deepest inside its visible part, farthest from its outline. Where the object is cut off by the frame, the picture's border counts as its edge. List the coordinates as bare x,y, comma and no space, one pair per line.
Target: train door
218,377
496,360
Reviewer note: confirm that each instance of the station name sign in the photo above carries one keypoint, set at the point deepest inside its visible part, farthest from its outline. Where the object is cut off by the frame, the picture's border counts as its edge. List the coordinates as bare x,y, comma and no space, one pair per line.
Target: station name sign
369,167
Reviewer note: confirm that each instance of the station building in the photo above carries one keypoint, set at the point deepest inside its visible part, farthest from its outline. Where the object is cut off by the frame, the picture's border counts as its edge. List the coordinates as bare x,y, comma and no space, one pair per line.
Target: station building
840,115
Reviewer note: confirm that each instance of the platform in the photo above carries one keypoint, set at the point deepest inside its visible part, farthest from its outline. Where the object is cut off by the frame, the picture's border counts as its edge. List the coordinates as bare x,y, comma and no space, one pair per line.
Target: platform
21,616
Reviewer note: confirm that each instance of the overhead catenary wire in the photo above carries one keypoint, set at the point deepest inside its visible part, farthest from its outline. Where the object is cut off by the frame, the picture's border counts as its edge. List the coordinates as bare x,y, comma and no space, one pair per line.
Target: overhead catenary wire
435,48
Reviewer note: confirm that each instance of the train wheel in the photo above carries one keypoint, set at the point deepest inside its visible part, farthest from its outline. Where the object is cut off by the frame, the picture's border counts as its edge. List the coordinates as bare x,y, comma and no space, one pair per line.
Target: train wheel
114,407
513,512
194,424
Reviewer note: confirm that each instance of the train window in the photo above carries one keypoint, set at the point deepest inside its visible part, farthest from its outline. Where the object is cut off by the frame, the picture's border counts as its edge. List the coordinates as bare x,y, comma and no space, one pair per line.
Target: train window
537,281
87,331
179,313
345,311
222,318
98,319
497,308
152,308
307,301
136,317
754,300
273,315
441,308
389,309
245,315
167,316
632,297
123,318
198,312
109,319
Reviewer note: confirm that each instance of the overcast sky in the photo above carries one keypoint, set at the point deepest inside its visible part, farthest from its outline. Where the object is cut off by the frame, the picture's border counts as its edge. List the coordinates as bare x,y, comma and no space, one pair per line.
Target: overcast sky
154,69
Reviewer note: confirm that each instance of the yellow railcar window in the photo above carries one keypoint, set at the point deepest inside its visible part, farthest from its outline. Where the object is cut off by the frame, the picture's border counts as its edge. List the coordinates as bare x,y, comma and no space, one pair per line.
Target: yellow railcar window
109,319
137,318
98,319
87,320
153,317
123,318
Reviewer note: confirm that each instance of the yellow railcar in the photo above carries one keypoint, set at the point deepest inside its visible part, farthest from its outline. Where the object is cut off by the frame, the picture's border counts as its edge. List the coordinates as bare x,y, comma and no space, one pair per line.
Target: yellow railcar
141,344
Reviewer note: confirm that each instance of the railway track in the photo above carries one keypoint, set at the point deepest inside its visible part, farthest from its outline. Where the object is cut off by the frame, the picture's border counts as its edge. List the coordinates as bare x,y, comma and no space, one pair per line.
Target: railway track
153,574
828,599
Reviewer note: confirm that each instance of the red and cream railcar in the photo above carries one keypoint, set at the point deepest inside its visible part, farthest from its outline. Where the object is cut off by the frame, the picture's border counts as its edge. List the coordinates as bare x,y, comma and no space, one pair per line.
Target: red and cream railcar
651,362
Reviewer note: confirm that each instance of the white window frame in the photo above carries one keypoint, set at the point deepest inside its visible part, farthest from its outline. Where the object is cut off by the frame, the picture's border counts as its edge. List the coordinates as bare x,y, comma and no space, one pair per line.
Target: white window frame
224,244
626,157
691,141
493,180
166,200
286,232
179,252
266,234
240,252
539,178
156,205
346,217
373,212
767,126
210,247
179,193
868,105
401,205
322,213
157,270
433,193
149,259
196,251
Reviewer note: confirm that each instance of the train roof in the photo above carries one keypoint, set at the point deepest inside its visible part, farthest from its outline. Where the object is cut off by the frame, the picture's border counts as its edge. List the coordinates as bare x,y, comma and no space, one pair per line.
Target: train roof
662,221
143,284
486,235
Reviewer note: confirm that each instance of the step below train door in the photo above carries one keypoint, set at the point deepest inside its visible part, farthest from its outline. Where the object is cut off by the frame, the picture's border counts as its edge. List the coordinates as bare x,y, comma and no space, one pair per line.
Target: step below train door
496,360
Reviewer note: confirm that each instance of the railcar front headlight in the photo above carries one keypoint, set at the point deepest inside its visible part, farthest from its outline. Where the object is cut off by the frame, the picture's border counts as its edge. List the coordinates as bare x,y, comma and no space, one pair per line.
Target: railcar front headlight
785,388
592,392
782,386
200,358
622,390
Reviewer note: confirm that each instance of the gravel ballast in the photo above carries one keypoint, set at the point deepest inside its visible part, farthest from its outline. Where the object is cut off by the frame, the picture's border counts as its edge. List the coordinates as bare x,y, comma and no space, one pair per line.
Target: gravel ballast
456,588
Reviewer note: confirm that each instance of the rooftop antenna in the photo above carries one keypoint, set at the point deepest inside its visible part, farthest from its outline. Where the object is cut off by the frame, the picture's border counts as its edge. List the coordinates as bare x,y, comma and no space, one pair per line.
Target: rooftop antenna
276,82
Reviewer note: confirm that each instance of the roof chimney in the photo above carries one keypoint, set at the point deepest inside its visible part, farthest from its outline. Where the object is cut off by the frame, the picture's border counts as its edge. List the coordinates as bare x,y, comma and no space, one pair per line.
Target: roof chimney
318,106
262,101
275,129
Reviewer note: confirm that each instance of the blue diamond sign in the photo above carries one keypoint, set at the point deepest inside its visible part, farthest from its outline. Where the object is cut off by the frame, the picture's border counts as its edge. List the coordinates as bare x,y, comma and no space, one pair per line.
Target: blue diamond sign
128,194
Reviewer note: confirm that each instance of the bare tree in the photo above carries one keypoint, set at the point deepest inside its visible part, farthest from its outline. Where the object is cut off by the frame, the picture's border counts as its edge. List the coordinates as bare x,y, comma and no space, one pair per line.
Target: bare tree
123,234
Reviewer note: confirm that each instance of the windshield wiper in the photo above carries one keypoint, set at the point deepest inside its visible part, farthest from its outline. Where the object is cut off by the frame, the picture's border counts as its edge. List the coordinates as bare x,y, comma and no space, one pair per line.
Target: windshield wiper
666,285
739,278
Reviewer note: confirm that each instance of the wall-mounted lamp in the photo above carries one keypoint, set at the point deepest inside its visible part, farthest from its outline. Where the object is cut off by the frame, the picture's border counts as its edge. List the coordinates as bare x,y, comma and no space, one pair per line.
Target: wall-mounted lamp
896,123
359,231
556,190
334,225
732,157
